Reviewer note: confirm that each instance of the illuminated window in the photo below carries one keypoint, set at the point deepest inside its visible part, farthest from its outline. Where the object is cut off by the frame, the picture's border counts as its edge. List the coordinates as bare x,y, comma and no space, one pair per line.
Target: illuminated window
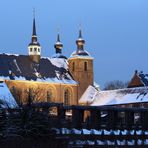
67,97
85,66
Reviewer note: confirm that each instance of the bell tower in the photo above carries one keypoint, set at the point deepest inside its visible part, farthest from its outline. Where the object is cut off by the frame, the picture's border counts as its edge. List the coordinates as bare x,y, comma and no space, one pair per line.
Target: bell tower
81,66
34,48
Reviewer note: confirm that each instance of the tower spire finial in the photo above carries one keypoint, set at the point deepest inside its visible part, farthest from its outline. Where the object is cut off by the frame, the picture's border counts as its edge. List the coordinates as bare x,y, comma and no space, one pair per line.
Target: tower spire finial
33,12
58,45
34,26
80,31
58,34
80,41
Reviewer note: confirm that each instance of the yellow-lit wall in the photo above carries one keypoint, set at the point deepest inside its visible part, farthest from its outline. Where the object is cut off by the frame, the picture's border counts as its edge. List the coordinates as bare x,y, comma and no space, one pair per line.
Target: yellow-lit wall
40,91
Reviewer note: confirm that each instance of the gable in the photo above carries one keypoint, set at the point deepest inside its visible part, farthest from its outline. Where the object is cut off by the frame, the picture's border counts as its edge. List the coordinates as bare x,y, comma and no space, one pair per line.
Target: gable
139,79
135,82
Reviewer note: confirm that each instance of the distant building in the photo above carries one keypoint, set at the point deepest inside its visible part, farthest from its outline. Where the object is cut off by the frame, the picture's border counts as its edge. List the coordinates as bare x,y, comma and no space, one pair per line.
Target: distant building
51,79
127,97
135,95
139,80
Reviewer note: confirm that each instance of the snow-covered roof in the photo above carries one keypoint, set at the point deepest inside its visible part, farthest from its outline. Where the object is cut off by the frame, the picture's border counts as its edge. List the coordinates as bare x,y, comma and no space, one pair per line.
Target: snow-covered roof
20,67
59,55
80,53
114,97
6,98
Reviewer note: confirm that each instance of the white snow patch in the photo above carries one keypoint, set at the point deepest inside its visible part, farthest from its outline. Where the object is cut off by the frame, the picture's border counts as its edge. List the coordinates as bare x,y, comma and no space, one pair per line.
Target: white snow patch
96,132
6,96
10,54
85,131
47,80
18,69
59,62
75,131
89,95
113,97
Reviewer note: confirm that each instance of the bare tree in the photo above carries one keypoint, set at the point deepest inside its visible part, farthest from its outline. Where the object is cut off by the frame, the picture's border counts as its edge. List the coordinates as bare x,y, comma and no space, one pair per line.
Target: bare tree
116,84
36,94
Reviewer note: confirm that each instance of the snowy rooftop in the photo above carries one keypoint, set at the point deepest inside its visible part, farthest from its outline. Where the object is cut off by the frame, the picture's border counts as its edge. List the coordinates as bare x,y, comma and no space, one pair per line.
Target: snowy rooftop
81,53
114,97
6,98
20,67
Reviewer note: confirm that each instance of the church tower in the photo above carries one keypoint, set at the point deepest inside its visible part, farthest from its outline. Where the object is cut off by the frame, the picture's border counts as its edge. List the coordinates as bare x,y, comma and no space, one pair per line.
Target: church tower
81,66
34,48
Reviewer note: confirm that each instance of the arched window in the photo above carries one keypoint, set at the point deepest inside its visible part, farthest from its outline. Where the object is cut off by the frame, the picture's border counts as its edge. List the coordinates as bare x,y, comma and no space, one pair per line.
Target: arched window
49,95
67,97
73,66
85,66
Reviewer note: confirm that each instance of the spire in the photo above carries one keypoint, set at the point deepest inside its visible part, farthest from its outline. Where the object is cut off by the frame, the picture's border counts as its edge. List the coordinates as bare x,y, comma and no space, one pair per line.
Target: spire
34,28
80,41
34,48
80,34
58,45
34,35
58,38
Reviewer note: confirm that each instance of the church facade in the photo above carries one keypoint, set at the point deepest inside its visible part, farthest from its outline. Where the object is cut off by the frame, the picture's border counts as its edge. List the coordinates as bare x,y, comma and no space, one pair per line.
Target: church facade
48,79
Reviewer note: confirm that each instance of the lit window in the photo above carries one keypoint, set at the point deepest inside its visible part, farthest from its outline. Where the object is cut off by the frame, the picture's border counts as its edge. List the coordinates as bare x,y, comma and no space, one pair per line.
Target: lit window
67,97
85,66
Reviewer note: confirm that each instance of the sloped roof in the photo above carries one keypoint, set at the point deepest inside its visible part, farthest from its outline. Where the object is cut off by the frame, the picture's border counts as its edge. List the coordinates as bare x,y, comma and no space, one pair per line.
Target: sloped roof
139,79
6,98
144,78
114,97
20,67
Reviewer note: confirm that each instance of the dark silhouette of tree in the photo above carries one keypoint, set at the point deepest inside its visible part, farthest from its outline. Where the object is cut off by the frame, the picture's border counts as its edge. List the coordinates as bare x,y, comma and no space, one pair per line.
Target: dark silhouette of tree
116,84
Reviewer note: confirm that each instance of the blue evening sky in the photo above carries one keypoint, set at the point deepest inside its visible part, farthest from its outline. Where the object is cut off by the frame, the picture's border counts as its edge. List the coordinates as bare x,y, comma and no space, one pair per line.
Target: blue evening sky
116,31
